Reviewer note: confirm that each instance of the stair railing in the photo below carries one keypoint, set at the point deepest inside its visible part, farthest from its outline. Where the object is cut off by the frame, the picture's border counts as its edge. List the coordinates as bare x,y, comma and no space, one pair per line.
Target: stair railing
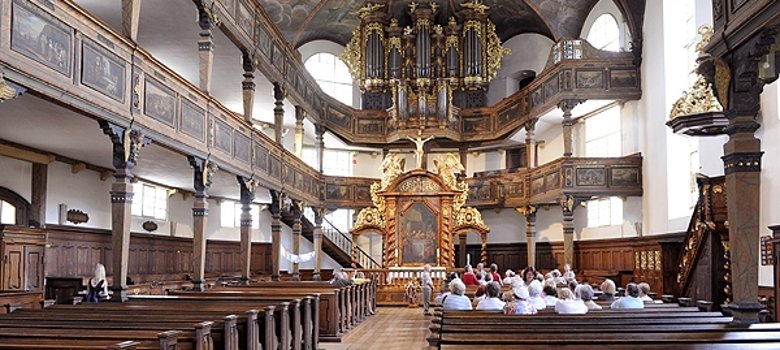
344,242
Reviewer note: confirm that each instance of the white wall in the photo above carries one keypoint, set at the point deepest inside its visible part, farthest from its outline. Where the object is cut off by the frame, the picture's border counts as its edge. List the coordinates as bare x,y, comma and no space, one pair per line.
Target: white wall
16,176
529,52
366,164
83,191
770,185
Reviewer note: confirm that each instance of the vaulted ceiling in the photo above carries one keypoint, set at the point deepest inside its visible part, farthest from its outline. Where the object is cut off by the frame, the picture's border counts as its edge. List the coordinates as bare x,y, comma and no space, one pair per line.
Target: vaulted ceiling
302,21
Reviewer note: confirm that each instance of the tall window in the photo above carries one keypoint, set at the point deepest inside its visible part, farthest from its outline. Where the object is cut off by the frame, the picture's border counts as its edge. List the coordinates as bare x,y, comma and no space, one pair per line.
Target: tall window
603,139
150,201
337,163
332,75
603,134
605,34
341,219
7,213
230,214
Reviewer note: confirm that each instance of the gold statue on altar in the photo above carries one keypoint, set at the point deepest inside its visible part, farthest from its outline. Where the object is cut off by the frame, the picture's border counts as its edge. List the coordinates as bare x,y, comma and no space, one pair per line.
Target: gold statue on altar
420,213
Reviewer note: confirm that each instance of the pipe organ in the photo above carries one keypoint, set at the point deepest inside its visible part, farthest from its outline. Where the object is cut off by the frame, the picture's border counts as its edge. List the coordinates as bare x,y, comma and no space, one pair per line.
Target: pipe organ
424,72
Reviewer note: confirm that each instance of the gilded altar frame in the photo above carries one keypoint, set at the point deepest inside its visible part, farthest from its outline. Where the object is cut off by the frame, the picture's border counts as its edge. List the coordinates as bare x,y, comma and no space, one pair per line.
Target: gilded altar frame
441,194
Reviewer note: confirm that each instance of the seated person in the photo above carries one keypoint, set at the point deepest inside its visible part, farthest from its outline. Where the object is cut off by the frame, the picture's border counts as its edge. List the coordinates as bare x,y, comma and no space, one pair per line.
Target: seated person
97,288
509,277
520,306
567,305
491,301
528,275
584,292
631,300
572,284
494,274
607,290
644,291
341,279
550,293
568,274
445,291
456,300
535,295
469,278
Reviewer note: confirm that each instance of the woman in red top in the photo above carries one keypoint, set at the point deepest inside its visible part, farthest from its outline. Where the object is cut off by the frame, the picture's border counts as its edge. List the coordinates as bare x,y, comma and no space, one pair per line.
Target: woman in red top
469,278
494,273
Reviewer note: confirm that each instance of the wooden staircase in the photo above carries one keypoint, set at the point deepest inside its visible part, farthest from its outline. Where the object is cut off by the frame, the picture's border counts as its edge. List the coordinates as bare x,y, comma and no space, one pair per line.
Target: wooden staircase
334,243
703,267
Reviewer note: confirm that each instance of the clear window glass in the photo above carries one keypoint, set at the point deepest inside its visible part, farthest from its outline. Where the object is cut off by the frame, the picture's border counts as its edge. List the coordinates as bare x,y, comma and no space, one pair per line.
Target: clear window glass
332,74
605,33
230,214
7,213
150,201
337,163
603,138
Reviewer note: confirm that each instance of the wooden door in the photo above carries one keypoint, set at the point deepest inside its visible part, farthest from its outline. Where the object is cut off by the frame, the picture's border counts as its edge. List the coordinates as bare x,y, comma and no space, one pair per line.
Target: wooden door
13,268
33,268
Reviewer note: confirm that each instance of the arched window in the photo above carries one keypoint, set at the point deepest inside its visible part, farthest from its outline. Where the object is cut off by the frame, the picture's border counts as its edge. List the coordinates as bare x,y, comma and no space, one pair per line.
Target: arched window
332,75
605,34
14,209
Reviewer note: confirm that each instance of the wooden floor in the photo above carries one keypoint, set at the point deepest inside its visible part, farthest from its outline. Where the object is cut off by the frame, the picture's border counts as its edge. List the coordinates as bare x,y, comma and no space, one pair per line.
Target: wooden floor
391,328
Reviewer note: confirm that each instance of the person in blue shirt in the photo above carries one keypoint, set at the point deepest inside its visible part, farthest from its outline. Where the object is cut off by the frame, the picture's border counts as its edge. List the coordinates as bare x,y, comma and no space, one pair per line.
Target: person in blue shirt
631,300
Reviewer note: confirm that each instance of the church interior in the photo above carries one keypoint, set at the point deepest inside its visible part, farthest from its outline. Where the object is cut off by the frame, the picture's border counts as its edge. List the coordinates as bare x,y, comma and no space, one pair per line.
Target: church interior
361,174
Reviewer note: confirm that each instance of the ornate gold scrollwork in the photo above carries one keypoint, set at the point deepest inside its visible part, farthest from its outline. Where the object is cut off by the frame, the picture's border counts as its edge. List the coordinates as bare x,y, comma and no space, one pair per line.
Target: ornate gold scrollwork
353,55
495,51
369,217
469,217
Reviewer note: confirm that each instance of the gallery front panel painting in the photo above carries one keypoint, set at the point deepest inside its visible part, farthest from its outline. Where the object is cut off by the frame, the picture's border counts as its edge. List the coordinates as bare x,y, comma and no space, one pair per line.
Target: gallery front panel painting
418,231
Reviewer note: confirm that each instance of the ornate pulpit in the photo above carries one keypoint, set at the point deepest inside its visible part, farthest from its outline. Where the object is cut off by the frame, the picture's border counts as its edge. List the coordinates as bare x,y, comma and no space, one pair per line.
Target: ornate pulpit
419,213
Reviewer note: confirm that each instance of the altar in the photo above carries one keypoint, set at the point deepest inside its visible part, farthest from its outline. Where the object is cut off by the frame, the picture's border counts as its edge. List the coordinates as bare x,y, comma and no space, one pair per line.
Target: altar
420,213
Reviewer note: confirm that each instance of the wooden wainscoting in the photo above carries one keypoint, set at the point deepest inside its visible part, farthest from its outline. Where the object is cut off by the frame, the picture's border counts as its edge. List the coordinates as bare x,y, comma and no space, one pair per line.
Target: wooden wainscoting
74,251
650,259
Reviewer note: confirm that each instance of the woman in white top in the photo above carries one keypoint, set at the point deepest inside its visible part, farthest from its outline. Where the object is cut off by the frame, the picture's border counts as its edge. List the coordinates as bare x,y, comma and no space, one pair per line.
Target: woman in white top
456,300
535,295
550,293
585,293
520,306
491,301
567,305
644,291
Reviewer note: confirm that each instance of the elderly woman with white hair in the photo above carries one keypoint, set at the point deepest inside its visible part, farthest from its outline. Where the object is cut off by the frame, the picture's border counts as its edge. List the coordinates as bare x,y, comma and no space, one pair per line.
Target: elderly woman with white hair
520,306
607,290
550,293
567,305
456,300
584,292
535,295
491,301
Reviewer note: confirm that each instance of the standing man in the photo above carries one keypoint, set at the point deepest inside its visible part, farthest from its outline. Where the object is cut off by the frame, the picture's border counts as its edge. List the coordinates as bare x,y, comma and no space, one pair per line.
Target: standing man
427,285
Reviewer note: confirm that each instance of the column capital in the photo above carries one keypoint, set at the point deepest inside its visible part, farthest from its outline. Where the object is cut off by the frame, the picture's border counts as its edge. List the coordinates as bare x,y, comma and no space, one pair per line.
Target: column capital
9,90
527,211
296,208
568,105
569,204
300,114
747,86
277,199
247,186
207,20
127,144
280,92
203,171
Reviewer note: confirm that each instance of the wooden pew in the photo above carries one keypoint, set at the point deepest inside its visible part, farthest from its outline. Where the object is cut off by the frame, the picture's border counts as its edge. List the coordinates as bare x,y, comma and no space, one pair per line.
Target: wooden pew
621,328
36,338
253,328
302,317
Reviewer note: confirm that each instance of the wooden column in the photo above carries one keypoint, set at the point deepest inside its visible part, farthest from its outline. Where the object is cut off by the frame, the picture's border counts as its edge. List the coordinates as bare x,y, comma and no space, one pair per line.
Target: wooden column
742,166
205,46
299,115
568,124
297,211
126,145
276,229
202,173
462,249
319,145
131,13
568,205
483,258
463,151
247,195
38,189
530,144
319,213
529,212
278,111
248,84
